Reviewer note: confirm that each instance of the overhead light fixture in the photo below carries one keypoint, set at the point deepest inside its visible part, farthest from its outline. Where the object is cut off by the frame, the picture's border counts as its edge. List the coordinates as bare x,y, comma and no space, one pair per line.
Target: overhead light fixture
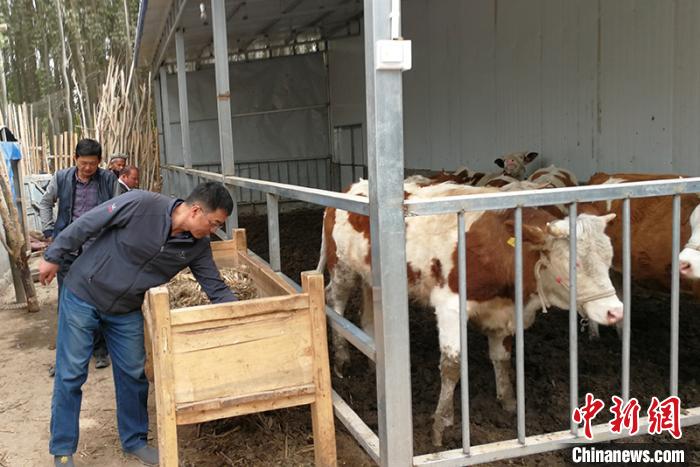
203,14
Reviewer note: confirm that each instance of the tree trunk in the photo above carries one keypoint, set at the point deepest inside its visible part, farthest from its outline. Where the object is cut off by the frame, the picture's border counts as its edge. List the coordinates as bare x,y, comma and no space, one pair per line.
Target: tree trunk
64,67
3,88
126,23
49,109
79,51
14,239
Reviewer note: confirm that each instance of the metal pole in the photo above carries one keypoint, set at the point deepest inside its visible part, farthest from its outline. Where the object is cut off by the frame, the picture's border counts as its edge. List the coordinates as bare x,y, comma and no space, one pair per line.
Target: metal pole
573,317
165,104
519,325
675,290
159,120
385,150
182,97
223,101
463,321
273,231
626,299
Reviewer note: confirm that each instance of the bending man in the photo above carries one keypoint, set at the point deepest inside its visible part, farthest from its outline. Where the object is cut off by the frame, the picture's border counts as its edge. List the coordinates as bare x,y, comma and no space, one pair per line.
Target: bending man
144,238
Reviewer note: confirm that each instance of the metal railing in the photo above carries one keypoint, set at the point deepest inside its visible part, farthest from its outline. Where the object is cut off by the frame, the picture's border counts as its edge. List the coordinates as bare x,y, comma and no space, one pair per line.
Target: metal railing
458,205
524,444
313,172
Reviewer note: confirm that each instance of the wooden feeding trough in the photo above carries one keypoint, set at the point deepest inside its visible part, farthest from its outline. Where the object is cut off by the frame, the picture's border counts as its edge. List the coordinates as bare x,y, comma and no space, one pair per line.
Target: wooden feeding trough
218,361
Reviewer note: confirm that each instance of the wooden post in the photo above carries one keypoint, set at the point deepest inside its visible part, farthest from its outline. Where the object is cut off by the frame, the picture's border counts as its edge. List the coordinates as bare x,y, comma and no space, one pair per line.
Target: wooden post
322,407
22,204
66,148
62,150
54,153
159,306
46,151
240,241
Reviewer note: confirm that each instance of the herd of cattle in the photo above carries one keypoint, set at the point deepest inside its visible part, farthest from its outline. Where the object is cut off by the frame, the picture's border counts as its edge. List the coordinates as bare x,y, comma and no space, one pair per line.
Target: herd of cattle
431,255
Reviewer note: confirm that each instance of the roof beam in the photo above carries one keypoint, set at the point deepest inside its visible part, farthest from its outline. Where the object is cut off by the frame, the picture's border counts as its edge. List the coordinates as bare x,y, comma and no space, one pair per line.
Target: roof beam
293,6
328,33
294,32
260,32
235,10
168,31
229,17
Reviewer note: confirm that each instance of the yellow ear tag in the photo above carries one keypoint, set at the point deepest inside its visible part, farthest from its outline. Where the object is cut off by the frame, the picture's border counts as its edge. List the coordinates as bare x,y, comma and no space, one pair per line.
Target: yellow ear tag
511,242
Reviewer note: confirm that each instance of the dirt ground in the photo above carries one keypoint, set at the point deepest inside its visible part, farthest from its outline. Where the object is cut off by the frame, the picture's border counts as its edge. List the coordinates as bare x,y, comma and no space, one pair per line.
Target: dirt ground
546,361
284,437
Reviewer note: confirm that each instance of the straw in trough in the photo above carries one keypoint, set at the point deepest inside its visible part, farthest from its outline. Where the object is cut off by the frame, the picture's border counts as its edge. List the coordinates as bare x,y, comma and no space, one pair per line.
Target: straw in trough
185,290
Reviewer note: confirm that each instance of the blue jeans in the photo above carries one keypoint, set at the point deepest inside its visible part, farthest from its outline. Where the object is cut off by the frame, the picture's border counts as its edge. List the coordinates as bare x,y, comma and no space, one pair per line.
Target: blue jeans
77,323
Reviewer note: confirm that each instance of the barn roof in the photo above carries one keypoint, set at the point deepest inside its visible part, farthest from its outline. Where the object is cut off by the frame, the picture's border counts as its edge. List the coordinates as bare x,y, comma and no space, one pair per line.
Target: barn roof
250,24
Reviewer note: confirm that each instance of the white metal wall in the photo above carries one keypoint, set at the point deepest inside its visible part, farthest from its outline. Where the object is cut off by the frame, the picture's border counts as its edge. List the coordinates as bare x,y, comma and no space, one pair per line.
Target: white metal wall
608,85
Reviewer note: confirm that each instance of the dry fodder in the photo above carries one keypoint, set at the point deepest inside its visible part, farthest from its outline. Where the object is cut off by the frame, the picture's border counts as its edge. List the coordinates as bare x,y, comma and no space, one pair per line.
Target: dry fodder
280,438
185,290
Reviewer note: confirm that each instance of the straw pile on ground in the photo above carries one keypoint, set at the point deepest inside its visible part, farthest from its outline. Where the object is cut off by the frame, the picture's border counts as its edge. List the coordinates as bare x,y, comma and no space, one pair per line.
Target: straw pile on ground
185,290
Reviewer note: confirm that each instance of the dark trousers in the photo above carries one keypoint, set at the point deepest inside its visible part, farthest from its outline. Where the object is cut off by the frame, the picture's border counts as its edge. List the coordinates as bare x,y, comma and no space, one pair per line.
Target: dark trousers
100,346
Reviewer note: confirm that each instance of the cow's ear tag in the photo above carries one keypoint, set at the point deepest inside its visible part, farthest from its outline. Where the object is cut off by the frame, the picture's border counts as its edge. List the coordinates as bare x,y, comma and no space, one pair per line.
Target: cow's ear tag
511,242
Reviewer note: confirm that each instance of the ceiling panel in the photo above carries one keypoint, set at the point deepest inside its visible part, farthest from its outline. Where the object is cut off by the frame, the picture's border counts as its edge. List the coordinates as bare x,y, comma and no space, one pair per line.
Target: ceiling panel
247,20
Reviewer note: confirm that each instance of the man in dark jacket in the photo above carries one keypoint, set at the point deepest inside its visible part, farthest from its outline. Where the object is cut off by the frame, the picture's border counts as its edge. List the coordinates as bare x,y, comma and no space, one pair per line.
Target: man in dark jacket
128,179
77,190
145,239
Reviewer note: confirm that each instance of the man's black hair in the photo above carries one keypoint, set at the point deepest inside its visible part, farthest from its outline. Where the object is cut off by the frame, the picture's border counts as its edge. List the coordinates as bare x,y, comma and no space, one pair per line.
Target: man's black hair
211,196
88,147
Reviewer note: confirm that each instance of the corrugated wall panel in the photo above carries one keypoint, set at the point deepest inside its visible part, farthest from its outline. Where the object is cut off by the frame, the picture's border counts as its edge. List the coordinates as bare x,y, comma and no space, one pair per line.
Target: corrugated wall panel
518,76
417,130
569,56
593,86
636,86
686,88
478,66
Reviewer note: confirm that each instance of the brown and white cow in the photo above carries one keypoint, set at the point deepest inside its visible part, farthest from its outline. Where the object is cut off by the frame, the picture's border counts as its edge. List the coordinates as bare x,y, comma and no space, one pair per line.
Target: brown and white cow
690,256
513,165
431,255
554,177
650,231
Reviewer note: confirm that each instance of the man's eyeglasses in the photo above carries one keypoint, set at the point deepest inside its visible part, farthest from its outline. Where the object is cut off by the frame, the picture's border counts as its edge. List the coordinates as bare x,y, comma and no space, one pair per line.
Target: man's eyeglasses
213,224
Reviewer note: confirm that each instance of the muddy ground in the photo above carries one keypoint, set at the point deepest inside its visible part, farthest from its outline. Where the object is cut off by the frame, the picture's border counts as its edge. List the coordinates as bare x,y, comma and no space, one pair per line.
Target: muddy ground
284,437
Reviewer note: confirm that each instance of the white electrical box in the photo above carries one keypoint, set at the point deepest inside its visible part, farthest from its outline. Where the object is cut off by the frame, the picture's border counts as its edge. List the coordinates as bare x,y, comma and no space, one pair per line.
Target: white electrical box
393,55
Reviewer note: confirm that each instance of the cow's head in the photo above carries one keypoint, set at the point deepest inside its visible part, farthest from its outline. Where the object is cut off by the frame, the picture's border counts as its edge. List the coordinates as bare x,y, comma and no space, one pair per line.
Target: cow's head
690,256
514,163
596,296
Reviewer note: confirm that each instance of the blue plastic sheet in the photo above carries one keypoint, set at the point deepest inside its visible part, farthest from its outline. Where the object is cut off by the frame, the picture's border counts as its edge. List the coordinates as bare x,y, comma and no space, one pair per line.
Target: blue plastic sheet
11,152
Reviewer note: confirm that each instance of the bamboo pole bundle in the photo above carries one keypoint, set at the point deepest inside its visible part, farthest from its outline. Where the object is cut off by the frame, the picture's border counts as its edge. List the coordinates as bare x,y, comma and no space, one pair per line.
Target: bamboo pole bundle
25,126
124,123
